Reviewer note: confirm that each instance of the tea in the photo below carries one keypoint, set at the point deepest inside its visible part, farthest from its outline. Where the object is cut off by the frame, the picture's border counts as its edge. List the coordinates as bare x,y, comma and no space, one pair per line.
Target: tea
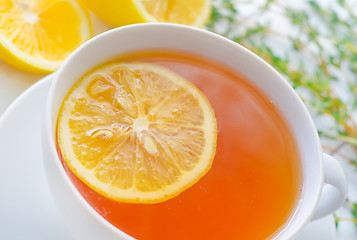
254,184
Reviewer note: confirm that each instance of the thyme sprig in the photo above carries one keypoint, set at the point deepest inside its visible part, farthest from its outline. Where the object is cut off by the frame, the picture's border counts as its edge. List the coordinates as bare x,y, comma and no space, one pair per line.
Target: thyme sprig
314,45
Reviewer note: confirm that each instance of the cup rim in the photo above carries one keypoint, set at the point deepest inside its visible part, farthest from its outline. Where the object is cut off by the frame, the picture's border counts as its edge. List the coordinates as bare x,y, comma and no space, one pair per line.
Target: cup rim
50,118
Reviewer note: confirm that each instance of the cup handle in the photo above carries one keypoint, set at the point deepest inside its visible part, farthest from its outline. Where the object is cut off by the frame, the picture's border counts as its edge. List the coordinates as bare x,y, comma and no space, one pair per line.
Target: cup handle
334,191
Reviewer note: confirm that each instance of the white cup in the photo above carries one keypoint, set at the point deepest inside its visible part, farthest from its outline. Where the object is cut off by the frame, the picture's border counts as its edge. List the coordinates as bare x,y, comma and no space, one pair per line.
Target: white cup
322,175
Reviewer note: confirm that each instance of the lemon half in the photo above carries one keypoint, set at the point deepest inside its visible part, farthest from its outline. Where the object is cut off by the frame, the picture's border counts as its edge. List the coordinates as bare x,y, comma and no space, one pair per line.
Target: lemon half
118,13
38,35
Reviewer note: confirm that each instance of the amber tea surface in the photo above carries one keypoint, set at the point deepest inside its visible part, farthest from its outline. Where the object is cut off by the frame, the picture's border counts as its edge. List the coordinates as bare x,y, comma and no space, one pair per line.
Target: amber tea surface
253,186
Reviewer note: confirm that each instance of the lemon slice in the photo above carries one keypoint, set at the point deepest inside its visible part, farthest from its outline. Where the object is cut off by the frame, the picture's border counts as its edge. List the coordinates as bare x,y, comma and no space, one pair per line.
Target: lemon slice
37,36
123,12
137,132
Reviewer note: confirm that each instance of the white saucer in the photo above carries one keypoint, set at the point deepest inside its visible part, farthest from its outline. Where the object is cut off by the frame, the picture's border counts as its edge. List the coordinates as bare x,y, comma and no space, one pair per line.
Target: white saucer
27,210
